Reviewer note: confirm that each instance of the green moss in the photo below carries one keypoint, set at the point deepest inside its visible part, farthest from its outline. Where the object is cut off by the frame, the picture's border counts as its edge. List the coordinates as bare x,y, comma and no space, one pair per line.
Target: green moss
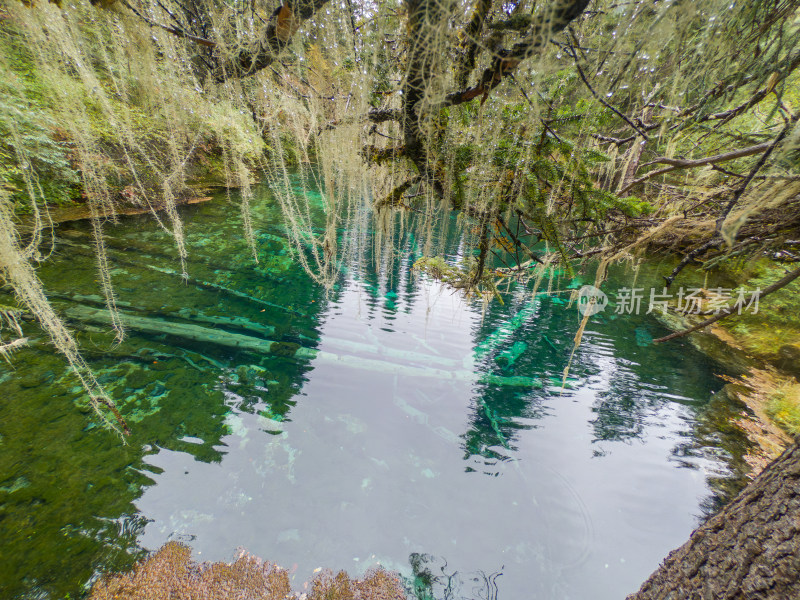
776,323
283,348
783,407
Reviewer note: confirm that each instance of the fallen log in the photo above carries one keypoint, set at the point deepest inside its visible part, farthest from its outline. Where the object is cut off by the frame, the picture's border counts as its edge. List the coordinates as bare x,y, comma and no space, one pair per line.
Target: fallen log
218,337
238,323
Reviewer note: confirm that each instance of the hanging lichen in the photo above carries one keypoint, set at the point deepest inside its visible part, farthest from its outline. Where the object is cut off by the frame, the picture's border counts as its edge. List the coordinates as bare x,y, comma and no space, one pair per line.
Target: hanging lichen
558,130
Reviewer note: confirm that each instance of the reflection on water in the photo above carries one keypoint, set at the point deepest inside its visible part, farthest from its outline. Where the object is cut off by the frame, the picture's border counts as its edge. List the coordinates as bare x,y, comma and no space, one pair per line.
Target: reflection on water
416,431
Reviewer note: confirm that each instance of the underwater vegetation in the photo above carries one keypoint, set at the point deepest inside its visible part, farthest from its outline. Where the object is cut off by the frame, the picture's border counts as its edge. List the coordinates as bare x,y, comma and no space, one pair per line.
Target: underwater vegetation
171,574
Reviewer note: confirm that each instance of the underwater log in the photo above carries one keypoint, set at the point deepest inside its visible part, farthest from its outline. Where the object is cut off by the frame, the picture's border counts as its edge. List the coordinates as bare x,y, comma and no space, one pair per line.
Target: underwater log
219,337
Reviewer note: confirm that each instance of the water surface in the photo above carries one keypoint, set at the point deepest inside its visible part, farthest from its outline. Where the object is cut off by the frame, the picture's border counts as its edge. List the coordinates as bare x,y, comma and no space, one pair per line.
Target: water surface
427,434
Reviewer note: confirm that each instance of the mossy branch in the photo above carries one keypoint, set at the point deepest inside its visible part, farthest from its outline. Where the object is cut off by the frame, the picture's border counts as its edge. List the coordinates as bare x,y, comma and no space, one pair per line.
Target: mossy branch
396,195
378,156
468,46
545,24
285,20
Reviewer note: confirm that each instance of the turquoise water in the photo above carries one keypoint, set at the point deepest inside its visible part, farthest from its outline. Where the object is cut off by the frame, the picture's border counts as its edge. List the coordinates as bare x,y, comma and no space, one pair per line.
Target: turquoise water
414,430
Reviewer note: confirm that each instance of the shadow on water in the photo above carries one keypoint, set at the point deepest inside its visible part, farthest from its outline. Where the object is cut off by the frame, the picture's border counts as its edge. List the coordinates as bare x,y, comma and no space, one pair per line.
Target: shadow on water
389,424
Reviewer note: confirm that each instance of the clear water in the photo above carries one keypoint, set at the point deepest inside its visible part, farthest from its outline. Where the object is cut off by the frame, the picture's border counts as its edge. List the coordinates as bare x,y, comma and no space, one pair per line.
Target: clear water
391,446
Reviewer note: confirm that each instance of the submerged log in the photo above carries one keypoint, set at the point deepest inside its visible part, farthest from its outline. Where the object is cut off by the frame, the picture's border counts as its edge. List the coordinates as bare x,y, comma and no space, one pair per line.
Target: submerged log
503,333
205,335
198,283
749,551
239,323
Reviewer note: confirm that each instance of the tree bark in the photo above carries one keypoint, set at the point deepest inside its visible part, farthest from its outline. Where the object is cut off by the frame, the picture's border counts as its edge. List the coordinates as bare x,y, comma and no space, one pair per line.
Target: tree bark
749,551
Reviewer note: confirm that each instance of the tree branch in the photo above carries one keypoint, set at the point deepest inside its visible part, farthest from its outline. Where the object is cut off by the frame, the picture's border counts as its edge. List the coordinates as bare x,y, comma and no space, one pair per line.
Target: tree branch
627,140
545,24
679,163
281,26
374,115
422,15
791,63
396,195
380,155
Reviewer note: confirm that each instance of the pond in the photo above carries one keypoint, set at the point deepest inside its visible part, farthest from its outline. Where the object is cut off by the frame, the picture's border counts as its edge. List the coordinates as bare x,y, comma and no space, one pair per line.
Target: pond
389,423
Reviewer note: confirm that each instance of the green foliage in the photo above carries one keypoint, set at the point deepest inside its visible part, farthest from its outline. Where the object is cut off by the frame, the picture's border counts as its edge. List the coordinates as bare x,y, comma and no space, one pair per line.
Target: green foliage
33,160
461,277
783,407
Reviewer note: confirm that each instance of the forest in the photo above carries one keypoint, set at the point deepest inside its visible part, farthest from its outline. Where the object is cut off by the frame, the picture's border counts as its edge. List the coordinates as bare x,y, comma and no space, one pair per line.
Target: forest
314,279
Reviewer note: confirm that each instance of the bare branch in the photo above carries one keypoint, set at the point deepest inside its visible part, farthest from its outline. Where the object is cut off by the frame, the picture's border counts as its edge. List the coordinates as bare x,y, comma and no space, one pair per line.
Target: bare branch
678,163
173,30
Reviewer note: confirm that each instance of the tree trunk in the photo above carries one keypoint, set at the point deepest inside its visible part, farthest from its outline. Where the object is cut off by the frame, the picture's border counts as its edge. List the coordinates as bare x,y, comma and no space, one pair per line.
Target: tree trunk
749,551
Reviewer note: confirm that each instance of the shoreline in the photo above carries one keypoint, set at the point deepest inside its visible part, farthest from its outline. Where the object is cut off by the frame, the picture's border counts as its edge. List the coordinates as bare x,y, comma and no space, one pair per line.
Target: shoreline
756,381
81,211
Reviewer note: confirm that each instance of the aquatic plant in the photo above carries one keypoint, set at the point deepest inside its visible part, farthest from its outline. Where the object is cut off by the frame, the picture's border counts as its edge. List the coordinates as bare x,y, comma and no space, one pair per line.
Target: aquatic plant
170,574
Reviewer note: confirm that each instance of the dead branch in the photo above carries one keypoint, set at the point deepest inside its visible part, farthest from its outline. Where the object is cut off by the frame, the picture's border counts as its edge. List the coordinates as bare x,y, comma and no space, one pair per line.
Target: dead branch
678,163
689,257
